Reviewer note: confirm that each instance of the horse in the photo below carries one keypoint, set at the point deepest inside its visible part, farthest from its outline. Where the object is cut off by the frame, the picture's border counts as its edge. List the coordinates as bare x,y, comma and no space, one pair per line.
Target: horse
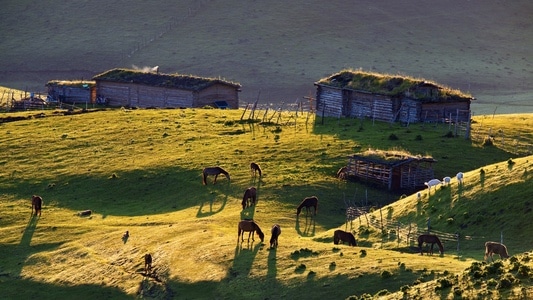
492,248
250,193
255,168
308,202
446,180
37,204
214,171
147,263
343,236
276,231
429,239
251,227
342,173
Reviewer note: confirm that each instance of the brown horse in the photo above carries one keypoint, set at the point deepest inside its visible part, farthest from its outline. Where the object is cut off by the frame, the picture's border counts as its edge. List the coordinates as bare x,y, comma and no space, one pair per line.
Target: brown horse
492,248
307,203
250,193
251,227
37,204
343,236
214,171
276,231
342,173
255,168
429,239
147,263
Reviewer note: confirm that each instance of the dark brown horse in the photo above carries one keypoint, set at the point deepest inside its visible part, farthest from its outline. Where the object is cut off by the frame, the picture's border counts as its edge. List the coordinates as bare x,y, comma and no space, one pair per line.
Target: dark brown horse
214,171
251,227
276,231
37,204
429,239
147,263
255,168
492,248
343,236
307,203
249,194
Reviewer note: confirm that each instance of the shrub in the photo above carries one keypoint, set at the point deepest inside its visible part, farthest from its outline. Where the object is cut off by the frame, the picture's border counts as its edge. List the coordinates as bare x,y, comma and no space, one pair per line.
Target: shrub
488,141
386,274
393,137
418,138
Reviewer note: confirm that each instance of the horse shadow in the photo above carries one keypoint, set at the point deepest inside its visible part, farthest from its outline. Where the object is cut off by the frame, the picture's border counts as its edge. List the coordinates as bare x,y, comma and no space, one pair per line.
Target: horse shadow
272,270
308,227
245,253
212,209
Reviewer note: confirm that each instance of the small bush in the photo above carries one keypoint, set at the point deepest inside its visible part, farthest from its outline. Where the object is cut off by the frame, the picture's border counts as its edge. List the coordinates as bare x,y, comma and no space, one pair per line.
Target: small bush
393,137
418,138
488,141
449,134
386,274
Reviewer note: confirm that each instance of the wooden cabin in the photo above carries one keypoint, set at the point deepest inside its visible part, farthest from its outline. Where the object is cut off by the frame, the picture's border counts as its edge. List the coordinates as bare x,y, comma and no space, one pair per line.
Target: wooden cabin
133,88
388,98
394,170
76,91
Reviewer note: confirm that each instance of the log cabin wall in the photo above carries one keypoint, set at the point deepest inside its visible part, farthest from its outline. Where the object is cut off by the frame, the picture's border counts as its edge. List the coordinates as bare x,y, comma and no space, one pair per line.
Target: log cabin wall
329,101
217,92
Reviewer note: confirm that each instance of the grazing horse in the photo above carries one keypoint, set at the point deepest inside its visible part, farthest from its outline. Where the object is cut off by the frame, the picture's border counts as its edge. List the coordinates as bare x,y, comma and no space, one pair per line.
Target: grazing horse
250,193
343,236
429,239
37,204
251,227
342,173
276,231
214,171
308,202
147,263
255,168
492,248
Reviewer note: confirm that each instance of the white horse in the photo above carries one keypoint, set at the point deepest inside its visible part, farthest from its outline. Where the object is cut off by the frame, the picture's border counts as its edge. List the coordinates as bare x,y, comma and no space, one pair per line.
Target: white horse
432,183
446,180
460,177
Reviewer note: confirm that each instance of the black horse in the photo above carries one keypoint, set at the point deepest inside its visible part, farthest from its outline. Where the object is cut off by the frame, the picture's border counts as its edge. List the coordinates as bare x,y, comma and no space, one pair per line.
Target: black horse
307,203
344,236
276,231
429,239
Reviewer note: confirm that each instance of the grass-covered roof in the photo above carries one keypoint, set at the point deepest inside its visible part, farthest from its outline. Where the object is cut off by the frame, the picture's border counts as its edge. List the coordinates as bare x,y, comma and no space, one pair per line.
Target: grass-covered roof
185,82
390,157
72,83
386,84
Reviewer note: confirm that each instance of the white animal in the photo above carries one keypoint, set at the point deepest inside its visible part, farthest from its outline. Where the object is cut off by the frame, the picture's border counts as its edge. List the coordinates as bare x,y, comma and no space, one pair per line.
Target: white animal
431,183
446,180
459,177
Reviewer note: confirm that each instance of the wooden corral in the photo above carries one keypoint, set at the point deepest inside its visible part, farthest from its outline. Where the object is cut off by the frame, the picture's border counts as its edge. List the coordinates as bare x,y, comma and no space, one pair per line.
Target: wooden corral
76,91
133,88
389,98
395,170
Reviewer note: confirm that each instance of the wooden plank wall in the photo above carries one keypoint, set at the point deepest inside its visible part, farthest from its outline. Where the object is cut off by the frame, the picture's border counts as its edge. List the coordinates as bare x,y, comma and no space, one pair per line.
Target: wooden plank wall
329,102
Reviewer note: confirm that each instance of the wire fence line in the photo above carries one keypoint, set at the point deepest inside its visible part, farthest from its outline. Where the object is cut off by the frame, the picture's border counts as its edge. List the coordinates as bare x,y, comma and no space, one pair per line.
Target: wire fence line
406,234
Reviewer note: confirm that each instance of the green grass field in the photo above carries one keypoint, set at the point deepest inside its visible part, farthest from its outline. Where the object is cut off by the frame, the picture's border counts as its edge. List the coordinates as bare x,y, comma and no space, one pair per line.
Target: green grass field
140,171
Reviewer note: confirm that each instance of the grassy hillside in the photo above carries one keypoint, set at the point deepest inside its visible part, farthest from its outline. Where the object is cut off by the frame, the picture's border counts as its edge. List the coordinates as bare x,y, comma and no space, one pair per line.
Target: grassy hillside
277,49
140,171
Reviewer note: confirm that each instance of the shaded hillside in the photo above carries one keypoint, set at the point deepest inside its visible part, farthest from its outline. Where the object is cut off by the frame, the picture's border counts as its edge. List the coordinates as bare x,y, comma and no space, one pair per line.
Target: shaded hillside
278,49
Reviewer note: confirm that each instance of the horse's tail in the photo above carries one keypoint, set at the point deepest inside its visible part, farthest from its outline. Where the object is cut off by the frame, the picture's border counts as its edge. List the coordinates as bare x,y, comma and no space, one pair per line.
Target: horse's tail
336,237
204,181
259,171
